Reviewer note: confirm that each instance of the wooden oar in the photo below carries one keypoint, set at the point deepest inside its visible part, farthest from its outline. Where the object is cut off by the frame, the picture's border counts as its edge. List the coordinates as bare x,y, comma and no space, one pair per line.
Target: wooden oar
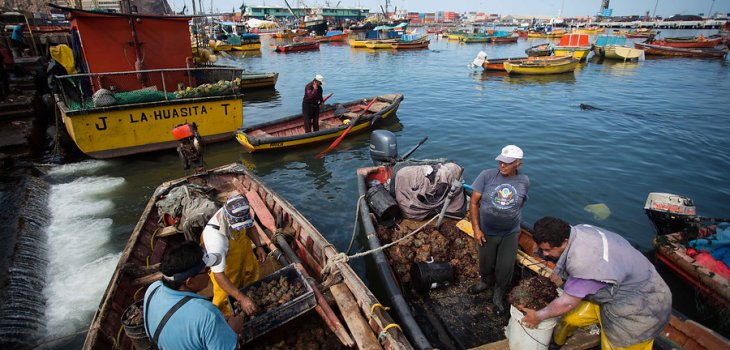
326,97
339,139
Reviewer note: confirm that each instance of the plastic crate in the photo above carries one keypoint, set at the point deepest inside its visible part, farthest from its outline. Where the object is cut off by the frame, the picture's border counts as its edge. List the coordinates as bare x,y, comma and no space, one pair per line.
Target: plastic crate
281,314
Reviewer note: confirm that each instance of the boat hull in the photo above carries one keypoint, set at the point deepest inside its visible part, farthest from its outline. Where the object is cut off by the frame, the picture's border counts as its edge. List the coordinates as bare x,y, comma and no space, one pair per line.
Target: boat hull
622,53
681,52
139,264
116,131
498,64
288,132
699,43
252,81
244,47
541,68
578,53
297,47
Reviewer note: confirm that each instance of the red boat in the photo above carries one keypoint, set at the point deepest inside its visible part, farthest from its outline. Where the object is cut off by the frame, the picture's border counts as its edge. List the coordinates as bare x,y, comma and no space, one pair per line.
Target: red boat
702,52
330,37
691,42
304,46
504,39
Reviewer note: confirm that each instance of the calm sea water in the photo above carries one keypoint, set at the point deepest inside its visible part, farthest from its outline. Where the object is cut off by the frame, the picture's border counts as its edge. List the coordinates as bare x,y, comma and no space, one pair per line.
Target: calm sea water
662,127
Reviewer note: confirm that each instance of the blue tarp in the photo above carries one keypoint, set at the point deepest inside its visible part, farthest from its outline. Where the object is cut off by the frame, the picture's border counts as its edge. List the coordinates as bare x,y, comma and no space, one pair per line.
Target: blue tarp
400,26
334,32
606,40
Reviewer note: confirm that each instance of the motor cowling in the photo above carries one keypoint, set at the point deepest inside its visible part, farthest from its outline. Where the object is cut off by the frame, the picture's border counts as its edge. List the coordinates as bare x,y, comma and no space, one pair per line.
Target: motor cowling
383,147
670,212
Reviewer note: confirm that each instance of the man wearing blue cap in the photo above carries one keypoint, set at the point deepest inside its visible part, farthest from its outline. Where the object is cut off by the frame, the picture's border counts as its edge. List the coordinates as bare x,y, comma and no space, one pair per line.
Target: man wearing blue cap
175,316
229,234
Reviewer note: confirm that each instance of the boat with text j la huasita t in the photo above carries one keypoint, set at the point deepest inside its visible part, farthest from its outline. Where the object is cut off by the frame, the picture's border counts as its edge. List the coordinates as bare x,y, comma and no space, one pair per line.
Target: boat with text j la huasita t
334,120
329,306
135,84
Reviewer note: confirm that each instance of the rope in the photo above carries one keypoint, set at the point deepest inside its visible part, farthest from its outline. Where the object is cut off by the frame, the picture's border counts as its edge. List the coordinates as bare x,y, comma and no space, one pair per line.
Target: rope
372,309
152,246
344,258
354,228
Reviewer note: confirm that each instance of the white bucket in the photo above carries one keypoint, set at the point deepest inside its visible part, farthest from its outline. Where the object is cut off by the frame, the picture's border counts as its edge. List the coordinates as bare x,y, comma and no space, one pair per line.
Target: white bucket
523,338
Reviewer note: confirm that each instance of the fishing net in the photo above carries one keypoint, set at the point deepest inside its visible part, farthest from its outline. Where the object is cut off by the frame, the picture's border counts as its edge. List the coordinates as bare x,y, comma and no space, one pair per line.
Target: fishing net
125,88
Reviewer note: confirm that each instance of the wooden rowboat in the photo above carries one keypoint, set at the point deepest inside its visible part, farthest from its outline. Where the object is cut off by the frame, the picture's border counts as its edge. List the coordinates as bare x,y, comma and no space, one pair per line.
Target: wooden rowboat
504,39
305,46
625,53
365,325
498,64
657,50
289,132
448,317
693,42
670,250
544,49
541,67
412,44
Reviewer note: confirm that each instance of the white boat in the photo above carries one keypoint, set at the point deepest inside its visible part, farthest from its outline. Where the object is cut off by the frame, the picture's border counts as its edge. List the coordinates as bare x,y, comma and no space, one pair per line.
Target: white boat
625,53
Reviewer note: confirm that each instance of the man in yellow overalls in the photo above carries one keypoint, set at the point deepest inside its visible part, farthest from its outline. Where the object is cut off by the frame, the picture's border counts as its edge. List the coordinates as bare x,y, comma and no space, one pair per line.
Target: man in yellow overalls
609,282
229,233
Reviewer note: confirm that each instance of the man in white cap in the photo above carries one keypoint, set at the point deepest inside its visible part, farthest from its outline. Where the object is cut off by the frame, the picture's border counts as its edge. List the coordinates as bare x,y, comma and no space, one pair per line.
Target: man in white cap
229,233
311,102
175,316
495,211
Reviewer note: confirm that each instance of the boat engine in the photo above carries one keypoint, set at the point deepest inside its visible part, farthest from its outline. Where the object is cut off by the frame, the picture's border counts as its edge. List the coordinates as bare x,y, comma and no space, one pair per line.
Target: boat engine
383,147
670,212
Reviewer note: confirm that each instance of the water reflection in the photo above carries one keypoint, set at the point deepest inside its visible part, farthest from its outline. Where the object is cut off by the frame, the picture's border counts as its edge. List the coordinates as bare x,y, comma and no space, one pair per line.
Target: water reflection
566,78
264,95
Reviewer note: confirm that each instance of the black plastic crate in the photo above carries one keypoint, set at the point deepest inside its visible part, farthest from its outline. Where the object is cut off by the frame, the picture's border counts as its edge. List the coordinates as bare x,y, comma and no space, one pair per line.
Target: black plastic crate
281,314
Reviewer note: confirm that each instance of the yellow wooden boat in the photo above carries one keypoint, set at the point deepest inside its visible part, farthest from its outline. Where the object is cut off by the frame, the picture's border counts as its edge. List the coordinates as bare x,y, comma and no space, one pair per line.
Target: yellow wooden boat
229,47
576,45
540,67
578,53
454,36
119,123
547,35
380,44
288,132
357,42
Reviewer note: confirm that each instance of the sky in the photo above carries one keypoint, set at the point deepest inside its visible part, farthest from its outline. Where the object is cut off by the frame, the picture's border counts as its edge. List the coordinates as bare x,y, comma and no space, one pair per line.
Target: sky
568,8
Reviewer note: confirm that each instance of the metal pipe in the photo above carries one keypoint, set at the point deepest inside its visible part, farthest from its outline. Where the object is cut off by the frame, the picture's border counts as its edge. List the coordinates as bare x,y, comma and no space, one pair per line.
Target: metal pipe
410,326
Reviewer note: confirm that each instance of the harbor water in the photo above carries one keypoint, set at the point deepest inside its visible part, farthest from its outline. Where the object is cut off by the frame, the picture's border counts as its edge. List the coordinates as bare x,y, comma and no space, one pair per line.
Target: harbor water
660,125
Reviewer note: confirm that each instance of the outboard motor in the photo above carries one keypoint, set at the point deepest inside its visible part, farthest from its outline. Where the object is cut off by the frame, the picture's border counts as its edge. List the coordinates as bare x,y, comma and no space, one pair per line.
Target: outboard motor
669,212
383,147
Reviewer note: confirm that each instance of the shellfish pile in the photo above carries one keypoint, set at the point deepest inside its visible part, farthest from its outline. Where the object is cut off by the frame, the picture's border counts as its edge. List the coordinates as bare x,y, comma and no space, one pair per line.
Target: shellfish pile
271,294
533,293
447,244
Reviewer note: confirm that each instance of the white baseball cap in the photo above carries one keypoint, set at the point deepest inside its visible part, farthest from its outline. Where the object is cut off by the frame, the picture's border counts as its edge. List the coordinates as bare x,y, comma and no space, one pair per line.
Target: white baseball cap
509,154
319,78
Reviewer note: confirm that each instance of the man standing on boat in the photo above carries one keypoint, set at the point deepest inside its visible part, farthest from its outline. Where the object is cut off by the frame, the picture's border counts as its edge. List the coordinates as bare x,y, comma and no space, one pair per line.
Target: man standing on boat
311,102
609,282
229,234
175,316
496,212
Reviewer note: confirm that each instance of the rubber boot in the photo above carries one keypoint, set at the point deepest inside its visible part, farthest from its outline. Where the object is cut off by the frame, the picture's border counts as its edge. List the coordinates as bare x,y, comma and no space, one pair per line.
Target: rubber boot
498,301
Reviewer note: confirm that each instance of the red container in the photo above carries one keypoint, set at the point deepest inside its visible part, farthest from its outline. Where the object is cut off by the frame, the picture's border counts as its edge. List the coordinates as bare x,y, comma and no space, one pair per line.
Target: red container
182,132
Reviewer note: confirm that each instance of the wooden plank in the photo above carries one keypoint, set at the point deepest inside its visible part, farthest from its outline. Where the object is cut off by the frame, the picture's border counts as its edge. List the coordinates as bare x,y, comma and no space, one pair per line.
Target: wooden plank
259,207
167,231
359,328
498,345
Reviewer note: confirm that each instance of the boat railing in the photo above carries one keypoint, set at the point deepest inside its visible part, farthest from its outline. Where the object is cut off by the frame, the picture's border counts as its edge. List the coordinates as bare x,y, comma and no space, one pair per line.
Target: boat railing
93,90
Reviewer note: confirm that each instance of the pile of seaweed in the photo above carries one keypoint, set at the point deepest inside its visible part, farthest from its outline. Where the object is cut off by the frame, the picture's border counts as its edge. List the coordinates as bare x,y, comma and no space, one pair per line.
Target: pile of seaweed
533,293
446,244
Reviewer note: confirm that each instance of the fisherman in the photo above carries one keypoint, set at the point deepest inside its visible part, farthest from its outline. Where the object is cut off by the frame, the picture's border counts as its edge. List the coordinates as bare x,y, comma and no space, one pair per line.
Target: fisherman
311,102
609,282
496,211
196,323
229,234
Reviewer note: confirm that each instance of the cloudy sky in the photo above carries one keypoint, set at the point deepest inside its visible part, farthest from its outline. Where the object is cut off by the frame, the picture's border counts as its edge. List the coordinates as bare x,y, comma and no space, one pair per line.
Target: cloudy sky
569,8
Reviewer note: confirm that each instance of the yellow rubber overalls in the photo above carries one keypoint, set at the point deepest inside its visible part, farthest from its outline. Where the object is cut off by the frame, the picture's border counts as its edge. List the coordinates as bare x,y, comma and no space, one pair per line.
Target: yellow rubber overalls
584,315
242,268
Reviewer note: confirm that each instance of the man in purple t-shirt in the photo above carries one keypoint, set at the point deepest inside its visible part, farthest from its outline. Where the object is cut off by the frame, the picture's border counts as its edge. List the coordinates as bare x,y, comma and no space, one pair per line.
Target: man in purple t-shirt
311,102
495,211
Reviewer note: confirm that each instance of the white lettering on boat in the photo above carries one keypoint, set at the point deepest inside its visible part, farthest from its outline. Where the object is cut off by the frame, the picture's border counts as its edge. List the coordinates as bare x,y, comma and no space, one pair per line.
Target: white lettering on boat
169,113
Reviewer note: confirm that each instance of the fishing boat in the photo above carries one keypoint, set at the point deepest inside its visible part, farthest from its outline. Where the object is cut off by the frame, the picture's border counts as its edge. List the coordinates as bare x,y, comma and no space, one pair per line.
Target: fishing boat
111,111
498,63
243,42
687,42
287,34
334,119
421,43
624,53
294,47
504,39
474,38
352,320
639,33
605,40
658,50
331,36
380,44
357,43
550,34
254,81
545,49
676,222
576,45
541,67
